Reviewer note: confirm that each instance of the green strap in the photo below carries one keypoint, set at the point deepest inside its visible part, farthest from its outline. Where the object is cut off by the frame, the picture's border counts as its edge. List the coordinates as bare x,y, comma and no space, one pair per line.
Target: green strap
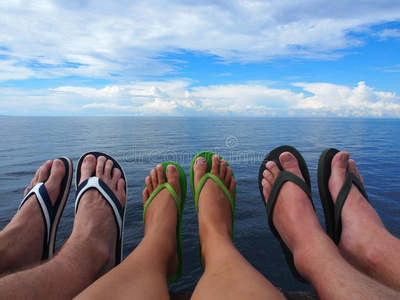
174,195
221,186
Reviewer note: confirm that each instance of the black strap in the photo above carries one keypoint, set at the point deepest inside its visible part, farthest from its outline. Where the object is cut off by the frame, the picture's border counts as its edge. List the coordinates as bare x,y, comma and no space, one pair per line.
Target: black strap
341,199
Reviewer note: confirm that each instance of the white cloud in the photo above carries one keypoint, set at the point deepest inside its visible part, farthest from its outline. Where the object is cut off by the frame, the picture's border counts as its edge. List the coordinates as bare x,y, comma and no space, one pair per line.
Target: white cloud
97,39
179,98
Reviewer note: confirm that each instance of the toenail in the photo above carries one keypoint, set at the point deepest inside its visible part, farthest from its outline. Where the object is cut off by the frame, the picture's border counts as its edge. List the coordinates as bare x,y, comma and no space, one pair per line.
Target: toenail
265,173
89,159
57,164
159,166
200,160
286,157
170,169
269,164
345,157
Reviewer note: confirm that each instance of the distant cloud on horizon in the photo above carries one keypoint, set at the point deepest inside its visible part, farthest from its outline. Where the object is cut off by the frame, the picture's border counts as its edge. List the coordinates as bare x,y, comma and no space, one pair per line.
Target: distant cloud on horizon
178,98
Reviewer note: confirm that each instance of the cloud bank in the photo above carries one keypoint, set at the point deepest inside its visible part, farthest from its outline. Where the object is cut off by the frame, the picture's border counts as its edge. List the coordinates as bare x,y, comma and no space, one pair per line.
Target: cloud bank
179,98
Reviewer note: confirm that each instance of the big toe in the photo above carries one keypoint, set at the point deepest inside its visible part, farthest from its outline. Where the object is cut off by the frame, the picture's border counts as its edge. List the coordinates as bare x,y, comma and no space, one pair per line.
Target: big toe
173,178
88,167
200,169
57,173
290,164
338,173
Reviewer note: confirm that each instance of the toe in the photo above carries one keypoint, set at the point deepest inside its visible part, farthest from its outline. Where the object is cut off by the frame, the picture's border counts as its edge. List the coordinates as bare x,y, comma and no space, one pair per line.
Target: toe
149,185
160,174
269,177
154,178
173,178
228,174
273,168
54,182
145,195
88,167
222,169
338,173
200,169
215,165
116,175
101,161
290,163
266,188
44,171
108,167
352,168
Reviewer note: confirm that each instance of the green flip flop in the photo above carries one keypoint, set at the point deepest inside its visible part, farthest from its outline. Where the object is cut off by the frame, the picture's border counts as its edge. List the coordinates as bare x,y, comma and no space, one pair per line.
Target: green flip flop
180,202
196,193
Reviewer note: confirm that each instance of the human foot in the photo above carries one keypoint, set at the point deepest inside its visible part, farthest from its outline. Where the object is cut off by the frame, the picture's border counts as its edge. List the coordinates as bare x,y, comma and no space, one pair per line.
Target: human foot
364,240
293,214
27,238
161,214
95,222
214,210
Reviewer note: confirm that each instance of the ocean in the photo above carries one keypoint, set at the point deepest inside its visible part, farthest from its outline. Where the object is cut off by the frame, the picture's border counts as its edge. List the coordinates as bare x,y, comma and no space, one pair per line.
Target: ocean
140,143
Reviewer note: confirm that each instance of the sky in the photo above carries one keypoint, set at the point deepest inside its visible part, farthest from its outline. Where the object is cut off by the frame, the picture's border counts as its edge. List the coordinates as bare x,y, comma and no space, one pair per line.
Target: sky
273,58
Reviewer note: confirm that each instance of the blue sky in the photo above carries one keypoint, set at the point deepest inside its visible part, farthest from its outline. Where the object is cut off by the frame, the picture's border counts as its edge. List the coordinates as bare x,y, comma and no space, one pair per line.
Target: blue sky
200,58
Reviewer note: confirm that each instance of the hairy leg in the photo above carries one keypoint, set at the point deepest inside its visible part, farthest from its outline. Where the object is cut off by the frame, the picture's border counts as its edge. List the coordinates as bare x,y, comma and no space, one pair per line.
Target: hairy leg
143,274
365,242
21,241
87,253
316,256
227,274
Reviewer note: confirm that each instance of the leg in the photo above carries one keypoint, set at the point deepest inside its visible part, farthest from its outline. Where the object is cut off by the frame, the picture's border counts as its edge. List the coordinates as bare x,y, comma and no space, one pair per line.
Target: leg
143,274
21,241
87,253
316,256
365,242
227,274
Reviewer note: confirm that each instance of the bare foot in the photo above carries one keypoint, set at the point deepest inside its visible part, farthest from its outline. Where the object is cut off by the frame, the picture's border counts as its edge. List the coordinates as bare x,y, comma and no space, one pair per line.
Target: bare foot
293,216
23,238
94,222
365,242
161,215
214,210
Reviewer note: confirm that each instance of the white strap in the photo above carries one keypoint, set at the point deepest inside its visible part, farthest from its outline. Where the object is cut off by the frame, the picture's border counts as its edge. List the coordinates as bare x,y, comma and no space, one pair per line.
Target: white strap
35,190
93,182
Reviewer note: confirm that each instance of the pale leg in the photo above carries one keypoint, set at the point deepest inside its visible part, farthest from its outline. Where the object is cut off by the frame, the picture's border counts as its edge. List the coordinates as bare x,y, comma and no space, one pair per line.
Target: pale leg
227,274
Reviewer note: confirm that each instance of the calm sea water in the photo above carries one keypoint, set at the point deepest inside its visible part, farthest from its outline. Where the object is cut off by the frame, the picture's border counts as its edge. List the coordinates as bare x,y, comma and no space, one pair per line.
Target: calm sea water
140,143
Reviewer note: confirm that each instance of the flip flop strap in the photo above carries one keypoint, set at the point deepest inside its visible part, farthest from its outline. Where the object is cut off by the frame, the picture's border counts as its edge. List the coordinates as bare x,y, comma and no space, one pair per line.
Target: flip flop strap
107,193
45,204
221,185
341,199
282,178
171,190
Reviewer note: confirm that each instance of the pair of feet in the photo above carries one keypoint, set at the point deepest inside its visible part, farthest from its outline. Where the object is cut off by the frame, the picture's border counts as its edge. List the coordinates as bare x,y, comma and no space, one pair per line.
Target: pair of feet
94,222
296,221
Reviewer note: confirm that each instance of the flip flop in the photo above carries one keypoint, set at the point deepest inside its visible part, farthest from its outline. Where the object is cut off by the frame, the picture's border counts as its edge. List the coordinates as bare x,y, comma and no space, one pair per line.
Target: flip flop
96,183
196,193
180,203
333,212
51,214
283,177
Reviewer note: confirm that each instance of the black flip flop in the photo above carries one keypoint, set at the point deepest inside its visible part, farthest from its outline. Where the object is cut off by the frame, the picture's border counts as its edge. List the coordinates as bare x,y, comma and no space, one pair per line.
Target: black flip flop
280,180
333,212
